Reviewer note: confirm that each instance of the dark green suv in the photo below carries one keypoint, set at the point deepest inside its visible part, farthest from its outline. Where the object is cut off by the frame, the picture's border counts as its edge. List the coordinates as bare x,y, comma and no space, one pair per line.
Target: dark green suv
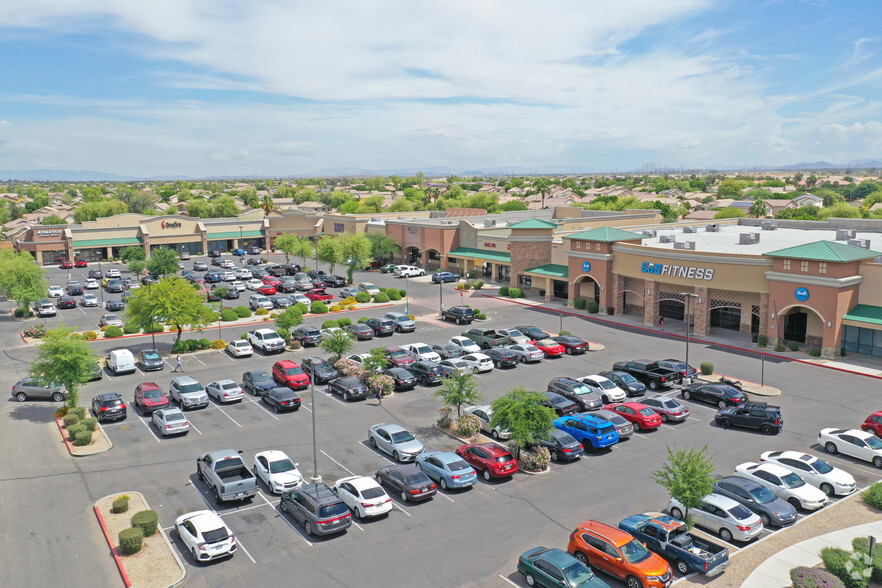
752,415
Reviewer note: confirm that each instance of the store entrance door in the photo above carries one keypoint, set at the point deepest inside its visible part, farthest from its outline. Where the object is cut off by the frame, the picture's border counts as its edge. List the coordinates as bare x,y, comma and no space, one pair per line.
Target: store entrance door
795,324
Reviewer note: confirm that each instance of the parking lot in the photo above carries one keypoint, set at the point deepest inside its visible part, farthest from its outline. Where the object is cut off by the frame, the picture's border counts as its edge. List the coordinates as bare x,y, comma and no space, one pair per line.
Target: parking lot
470,537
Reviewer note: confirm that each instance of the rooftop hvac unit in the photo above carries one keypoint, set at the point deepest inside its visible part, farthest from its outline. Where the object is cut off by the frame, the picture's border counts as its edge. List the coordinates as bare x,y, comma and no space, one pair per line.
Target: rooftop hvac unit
684,244
748,238
648,233
690,229
844,234
665,239
865,243
489,223
769,225
713,228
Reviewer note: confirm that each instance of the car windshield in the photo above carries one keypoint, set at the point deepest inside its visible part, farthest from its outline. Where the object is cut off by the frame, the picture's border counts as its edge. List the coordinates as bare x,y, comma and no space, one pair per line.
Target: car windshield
791,480
762,495
152,393
293,371
634,551
174,416
606,384
740,512
402,437
399,353
671,404
577,574
821,466
627,378
194,387
581,390
260,377
111,317
515,333
281,466
333,510
151,355
647,412
423,349
874,442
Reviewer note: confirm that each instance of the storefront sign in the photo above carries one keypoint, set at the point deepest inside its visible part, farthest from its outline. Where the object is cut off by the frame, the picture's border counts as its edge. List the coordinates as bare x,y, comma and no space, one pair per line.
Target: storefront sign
586,266
677,271
170,225
489,245
48,232
338,227
801,294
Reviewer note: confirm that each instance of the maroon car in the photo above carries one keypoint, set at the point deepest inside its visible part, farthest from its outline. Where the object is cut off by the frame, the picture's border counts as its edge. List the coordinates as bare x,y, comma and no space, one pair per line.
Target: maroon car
399,357
572,345
149,397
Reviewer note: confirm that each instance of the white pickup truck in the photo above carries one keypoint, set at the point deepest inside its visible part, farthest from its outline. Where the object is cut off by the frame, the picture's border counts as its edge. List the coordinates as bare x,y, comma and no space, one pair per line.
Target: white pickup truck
266,340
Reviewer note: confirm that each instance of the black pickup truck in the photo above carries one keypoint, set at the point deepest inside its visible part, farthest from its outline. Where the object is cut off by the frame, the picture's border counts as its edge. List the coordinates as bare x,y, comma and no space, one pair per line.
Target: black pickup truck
648,372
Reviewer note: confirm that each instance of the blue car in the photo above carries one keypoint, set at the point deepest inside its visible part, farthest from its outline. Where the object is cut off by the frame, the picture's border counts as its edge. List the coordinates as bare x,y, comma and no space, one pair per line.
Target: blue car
592,432
447,468
238,252
439,277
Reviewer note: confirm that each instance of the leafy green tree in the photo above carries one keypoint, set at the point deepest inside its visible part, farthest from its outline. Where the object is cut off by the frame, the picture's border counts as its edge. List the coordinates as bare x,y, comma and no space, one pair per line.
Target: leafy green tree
512,205
89,211
330,251
141,201
172,301
132,253
382,246
730,212
376,360
21,279
401,204
53,219
163,262
458,391
221,291
521,413
304,248
356,250
199,208
729,188
290,317
687,475
758,208
840,210
267,204
62,360
338,344
286,244
224,207
136,266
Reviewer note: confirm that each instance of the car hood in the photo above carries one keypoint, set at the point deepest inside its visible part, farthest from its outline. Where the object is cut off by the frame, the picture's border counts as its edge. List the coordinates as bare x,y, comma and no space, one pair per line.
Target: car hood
152,362
287,477
809,493
840,477
155,401
410,446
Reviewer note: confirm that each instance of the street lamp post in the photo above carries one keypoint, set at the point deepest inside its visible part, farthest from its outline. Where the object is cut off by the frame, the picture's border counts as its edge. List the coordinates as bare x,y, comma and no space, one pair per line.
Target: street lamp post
441,287
100,284
689,296
316,478
406,294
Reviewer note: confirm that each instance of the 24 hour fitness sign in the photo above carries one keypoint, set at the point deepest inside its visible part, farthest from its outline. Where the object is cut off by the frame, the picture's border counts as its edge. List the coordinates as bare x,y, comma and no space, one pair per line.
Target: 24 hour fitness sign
677,271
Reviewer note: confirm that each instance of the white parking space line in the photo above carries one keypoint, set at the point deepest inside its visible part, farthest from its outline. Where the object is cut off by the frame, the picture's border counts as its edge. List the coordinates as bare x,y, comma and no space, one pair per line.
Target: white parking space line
695,419
226,415
669,427
263,406
239,541
334,398
377,452
243,509
197,359
445,496
401,509
82,311
351,473
507,580
227,355
146,424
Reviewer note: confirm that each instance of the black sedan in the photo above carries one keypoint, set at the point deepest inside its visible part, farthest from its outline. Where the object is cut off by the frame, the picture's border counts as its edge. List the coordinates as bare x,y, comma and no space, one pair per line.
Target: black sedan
213,296
348,388
114,305
719,394
74,290
150,360
281,399
282,302
561,445
447,350
253,261
562,406
66,302
502,357
109,407
361,332
404,380
319,370
572,345
408,481
151,280
626,382
334,281
534,333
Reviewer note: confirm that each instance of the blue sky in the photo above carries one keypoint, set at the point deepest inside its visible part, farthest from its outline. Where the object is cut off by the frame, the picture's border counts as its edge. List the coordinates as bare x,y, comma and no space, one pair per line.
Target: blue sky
215,87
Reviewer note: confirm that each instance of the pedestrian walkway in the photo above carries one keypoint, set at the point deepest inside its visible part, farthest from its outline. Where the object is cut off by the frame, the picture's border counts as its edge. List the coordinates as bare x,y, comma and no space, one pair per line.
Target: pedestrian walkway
775,571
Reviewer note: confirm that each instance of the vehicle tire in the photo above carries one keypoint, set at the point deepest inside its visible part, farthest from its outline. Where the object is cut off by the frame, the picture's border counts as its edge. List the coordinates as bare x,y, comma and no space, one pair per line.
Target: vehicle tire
200,476
636,426
725,535
569,351
653,385
633,582
217,498
827,489
497,364
442,483
722,404
347,397
395,456
403,496
487,346
582,558
57,396
487,475
682,567
664,417
531,581
877,461
686,395
522,359
767,430
767,522
283,507
193,553
794,502
21,397
495,434
276,408
831,447
677,513
554,455
307,526
725,423
373,442
458,321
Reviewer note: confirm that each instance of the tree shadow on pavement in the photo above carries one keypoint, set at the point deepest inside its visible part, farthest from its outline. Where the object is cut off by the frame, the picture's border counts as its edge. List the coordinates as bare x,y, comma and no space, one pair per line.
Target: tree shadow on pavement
35,413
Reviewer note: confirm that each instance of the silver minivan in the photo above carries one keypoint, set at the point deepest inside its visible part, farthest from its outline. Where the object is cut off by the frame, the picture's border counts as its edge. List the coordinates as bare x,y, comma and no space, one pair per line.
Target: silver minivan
403,323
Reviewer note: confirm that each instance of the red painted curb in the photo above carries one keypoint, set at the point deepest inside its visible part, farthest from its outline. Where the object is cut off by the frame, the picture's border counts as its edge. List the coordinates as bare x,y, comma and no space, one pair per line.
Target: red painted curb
702,341
63,436
113,550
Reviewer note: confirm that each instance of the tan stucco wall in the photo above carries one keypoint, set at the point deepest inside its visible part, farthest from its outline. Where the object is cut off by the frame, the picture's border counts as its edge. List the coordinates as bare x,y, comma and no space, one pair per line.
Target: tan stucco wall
871,287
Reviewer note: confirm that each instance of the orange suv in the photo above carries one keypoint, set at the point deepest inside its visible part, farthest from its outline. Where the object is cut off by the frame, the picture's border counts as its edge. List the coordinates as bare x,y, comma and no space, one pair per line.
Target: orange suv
617,553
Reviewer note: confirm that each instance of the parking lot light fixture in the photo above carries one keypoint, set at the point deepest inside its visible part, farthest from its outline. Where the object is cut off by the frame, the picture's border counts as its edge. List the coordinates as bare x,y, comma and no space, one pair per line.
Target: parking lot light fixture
316,478
688,296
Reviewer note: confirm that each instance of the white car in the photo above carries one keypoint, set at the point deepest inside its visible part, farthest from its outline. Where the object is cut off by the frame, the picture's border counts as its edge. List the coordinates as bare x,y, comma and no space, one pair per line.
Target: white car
253,284
256,301
91,284
363,495
722,515
526,352
515,335
89,300
300,297
56,292
783,483
170,421
358,358
408,271
112,273
239,286
225,391
205,535
331,330
814,470
485,415
277,471
423,351
243,273
853,442
466,344
228,276
478,362
607,390
457,364
240,348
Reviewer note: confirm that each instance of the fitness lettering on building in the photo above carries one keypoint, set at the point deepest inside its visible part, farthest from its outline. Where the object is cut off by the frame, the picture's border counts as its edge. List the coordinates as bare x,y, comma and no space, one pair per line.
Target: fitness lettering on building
677,271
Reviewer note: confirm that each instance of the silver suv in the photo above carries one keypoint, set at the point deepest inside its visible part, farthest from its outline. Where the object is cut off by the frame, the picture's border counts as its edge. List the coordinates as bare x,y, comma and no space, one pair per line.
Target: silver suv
45,309
318,509
403,324
188,393
27,389
260,301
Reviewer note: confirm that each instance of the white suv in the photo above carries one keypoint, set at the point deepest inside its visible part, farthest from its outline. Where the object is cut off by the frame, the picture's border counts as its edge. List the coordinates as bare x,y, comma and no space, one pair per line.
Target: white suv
607,390
408,271
260,301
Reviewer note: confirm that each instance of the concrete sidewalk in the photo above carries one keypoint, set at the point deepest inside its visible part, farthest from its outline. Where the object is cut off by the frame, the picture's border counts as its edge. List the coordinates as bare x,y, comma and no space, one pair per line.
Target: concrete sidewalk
775,571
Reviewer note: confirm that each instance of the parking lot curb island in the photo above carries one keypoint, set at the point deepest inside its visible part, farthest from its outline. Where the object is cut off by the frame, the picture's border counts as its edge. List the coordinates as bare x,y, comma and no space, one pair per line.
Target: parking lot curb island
73,450
113,550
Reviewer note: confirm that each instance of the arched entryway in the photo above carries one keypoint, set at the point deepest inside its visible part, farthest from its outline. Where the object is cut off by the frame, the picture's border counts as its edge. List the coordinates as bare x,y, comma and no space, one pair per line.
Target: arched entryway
433,260
586,286
802,324
413,256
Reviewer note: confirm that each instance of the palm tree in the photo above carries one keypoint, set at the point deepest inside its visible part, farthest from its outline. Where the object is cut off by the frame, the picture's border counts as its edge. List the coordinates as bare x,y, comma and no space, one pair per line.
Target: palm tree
267,204
542,186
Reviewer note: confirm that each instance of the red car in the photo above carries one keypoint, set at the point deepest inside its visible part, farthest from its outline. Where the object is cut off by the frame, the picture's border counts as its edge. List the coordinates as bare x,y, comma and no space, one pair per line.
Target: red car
492,460
873,424
271,280
267,290
319,294
66,264
288,373
149,397
641,416
399,357
81,263
549,347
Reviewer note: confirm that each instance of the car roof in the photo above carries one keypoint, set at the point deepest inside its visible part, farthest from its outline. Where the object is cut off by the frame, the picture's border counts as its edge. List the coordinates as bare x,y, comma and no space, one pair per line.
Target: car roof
185,380
272,454
360,482
613,534
721,501
443,456
205,520
390,428
745,483
485,407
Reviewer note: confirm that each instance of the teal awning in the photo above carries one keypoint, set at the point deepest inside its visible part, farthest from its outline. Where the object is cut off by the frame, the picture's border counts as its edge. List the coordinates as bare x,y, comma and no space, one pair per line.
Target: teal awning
551,269
480,254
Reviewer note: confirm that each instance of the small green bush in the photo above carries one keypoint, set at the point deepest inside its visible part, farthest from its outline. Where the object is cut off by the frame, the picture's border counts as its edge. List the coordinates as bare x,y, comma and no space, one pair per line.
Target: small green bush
478,284
344,322
295,344
779,347
242,311
362,297
80,411
330,323
503,291
318,307
803,577
381,298
562,333
244,336
131,329
707,368
762,340
383,290
402,293
147,521
90,423
284,333
468,425
192,344
121,504
73,430
862,545
854,570
580,302
204,343
155,328
113,332
592,307
83,438
480,316
301,307
260,311
393,294
70,420
130,541
179,347
515,292
90,335
793,345
363,319
873,495
814,352
228,315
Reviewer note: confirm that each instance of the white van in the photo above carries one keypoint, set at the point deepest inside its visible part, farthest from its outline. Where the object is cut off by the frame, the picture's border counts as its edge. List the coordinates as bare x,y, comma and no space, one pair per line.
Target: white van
121,361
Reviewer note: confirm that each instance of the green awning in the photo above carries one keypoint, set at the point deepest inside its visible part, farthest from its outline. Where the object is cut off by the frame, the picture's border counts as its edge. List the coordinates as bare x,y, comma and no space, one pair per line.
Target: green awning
107,242
825,251
865,313
551,269
480,254
234,235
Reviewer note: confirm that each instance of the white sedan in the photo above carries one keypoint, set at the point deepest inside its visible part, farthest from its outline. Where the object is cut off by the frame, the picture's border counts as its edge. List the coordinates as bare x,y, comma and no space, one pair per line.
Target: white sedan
853,442
363,495
112,273
239,286
225,391
240,348
55,292
277,471
526,352
89,300
205,535
91,284
478,362
243,273
253,284
170,421
814,470
423,351
783,483
466,344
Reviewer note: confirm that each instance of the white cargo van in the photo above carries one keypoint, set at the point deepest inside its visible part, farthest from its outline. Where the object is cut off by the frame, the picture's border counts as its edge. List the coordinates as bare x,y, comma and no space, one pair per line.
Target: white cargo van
121,361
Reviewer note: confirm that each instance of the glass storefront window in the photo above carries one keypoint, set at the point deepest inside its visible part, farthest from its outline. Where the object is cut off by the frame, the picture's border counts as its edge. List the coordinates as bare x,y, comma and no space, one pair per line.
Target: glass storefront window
53,257
862,340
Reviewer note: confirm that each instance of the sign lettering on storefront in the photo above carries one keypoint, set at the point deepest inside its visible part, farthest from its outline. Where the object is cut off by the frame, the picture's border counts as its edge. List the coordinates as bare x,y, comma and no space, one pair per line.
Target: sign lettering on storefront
48,232
338,227
489,245
413,230
677,271
170,225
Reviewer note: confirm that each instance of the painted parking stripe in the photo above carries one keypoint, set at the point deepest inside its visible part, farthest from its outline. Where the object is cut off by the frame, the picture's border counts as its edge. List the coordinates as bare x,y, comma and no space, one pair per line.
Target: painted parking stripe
401,509
154,435
238,540
197,359
225,414
351,473
262,405
377,451
507,580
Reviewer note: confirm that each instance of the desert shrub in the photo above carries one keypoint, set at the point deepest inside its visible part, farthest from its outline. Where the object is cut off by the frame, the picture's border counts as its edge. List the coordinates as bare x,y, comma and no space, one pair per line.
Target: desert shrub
80,411
244,336
274,314
503,291
103,328
461,286
130,540
402,293
444,421
131,329
301,307
318,307
580,302
468,425
242,311
179,347
814,352
158,327
295,344
344,322
284,333
36,331
707,368
362,297
535,460
393,294
478,284
59,414
73,430
592,307
348,301
20,312
779,347
762,340
70,420
793,346
385,384
228,315
873,495
76,336
121,504
90,423
515,292
814,578
330,323
480,316
147,521
83,437
218,344
862,545
260,311
204,344
853,570
90,335
348,368
363,319
113,332
193,344
335,308
381,298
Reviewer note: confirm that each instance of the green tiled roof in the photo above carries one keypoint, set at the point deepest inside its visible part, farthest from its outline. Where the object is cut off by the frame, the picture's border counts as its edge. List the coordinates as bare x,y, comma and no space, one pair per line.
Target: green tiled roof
606,235
234,234
865,313
551,269
534,223
825,251
107,242
480,254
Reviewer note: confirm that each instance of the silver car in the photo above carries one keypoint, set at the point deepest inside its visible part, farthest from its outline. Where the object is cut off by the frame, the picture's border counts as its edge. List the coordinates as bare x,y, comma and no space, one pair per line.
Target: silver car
110,320
368,287
225,391
396,441
515,335
170,421
403,324
668,408
28,389
457,364
526,352
89,300
624,428
188,393
722,515
485,415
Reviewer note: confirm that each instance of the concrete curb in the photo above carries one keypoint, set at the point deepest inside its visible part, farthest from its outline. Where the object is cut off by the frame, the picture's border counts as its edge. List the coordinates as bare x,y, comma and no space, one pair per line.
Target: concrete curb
113,549
70,448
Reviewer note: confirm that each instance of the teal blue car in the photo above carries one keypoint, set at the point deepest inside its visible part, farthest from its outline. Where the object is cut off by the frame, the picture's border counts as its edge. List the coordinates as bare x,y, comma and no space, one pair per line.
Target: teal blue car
447,468
555,568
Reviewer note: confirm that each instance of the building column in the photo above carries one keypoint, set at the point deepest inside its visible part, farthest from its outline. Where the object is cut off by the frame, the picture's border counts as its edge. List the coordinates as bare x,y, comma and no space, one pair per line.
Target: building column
108,252
616,295
494,272
746,316
650,303
700,311
549,289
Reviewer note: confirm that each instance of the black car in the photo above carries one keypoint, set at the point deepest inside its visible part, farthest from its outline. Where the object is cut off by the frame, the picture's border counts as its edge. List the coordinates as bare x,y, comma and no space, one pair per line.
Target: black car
561,445
253,261
461,315
447,350
281,399
276,270
319,370
561,405
66,302
334,281
502,357
74,290
307,335
96,374
96,274
114,286
212,296
686,370
720,394
408,481
348,388
318,282
404,380
259,273
217,261
291,269
150,360
572,345
313,274
114,304
381,326
282,302
214,254
148,279
287,285
109,407
772,510
577,391
427,372
258,382
360,331
752,415
631,385
534,333
213,277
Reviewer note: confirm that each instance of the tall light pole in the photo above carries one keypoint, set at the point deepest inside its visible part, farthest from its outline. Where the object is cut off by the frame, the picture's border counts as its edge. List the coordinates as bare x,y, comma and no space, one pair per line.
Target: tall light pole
441,286
406,294
316,478
689,296
240,238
